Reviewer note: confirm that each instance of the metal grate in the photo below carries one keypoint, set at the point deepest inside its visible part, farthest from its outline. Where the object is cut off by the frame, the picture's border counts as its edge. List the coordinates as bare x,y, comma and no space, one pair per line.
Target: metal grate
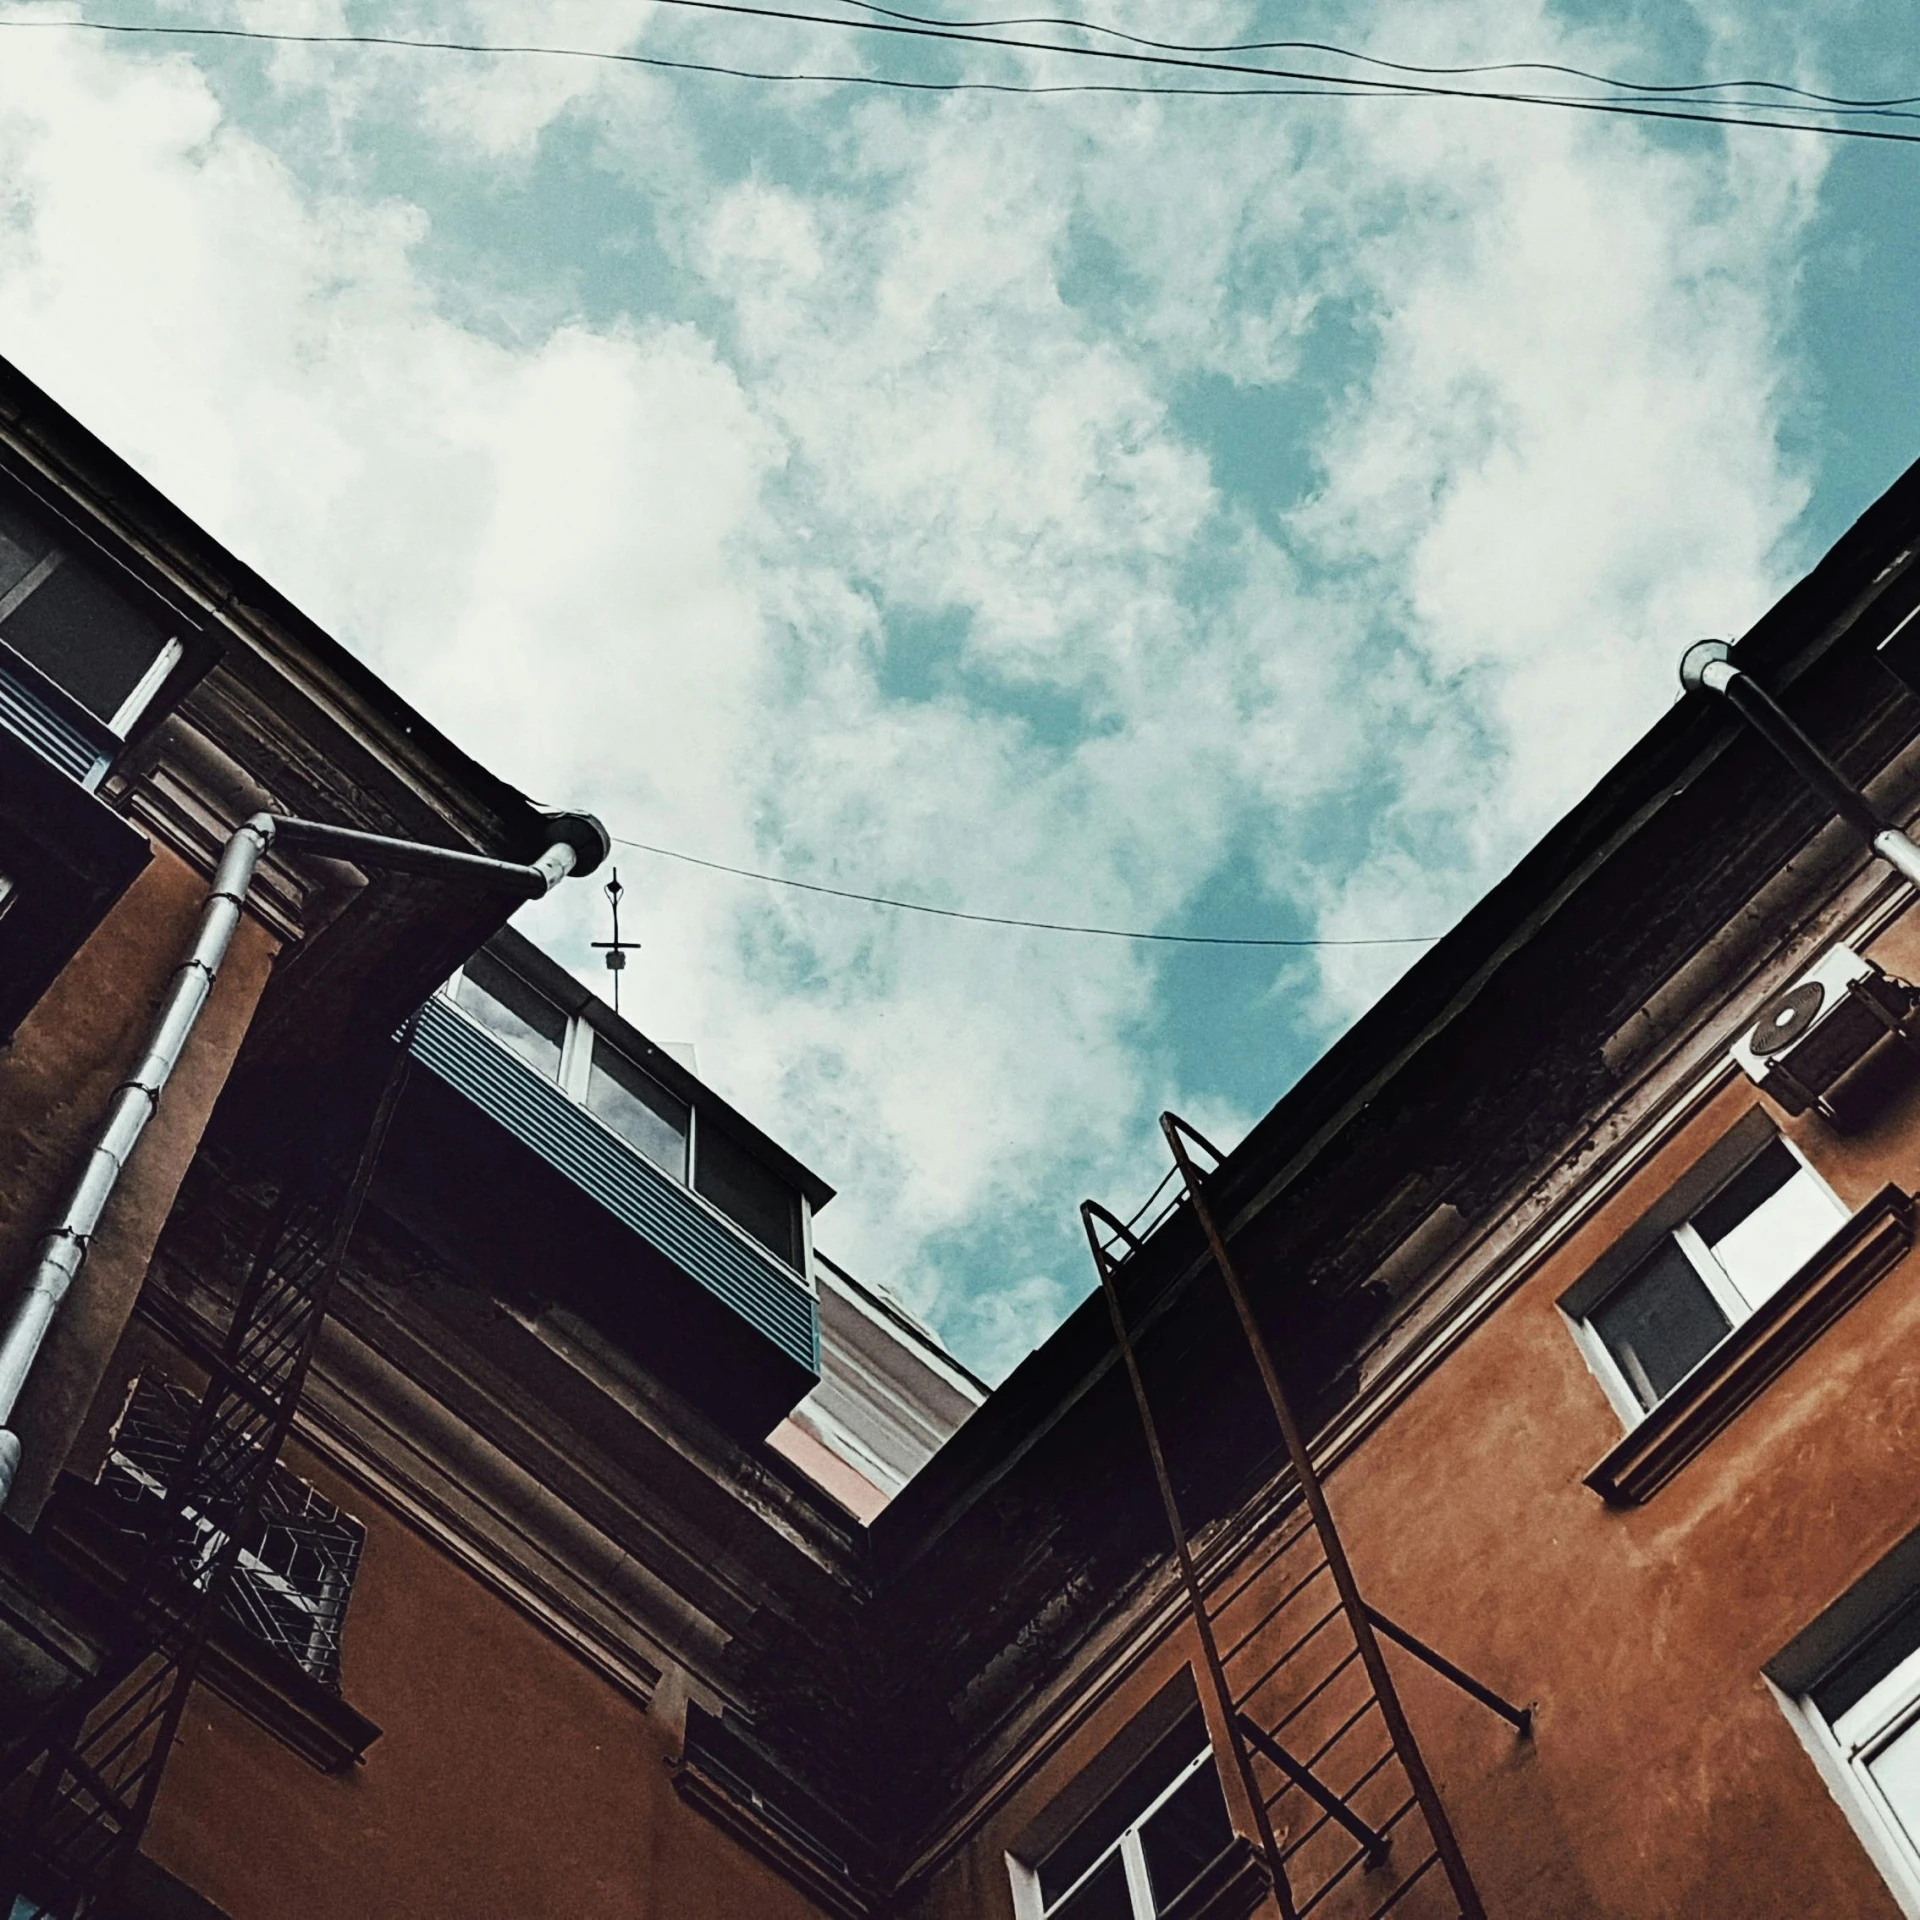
292,1576
92,1758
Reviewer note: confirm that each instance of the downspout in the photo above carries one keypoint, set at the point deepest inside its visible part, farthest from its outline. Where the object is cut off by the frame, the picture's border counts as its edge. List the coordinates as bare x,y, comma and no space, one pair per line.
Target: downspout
1705,667
580,844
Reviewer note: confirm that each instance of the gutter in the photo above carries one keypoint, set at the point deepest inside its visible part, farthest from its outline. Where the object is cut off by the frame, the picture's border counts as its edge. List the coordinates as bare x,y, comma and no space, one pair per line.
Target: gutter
579,845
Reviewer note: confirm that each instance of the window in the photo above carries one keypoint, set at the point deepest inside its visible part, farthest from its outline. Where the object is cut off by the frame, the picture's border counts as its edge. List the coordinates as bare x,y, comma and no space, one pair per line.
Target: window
634,1104
636,1107
1134,1854
1862,1722
293,1577
749,1194
1698,1277
60,617
526,1023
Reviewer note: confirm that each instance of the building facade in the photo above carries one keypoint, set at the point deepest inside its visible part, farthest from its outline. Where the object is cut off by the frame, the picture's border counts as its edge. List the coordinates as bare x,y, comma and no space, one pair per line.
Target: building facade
623,1556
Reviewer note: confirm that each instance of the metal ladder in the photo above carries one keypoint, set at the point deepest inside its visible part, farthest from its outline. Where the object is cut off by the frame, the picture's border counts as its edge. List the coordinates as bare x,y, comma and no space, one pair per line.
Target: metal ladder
1346,1815
89,1765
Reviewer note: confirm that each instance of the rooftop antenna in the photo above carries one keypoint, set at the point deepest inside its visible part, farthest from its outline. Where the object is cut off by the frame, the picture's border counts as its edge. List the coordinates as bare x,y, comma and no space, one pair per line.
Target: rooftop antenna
616,948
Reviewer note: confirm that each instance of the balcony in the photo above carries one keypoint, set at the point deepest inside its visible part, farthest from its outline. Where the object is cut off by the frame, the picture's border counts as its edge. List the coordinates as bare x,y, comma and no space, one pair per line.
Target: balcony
554,1151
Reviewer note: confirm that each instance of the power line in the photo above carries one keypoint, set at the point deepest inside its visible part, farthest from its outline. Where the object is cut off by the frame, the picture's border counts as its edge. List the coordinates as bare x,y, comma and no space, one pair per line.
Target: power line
1317,85
1393,66
1008,920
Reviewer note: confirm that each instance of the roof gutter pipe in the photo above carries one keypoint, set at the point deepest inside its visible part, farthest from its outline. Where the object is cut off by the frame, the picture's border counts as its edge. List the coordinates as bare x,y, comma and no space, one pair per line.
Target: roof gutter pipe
580,843
1706,667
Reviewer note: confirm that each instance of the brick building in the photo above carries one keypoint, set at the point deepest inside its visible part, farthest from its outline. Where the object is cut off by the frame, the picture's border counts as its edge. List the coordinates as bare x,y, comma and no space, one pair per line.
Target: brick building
619,1555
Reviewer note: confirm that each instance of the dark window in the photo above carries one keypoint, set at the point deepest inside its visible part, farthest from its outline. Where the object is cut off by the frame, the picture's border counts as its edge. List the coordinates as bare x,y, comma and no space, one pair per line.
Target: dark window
1185,1833
69,623
748,1194
523,1021
1661,1324
638,1109
1848,1683
1103,1897
1712,1269
22,547
1163,1825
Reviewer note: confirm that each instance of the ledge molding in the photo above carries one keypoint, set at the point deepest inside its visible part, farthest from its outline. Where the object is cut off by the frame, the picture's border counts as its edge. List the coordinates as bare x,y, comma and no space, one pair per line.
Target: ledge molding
1870,1245
735,1813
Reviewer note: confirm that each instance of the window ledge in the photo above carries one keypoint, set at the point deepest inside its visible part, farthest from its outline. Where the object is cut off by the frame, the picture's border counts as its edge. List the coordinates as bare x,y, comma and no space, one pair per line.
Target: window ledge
266,1686
768,1840
1230,1889
1869,1245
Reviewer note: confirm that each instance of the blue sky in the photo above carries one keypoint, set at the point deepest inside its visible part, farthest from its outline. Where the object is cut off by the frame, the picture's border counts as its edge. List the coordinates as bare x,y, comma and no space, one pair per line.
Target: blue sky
1257,516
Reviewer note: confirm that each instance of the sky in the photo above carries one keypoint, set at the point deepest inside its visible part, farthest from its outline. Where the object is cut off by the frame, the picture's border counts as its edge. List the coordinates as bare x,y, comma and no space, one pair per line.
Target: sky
1256,516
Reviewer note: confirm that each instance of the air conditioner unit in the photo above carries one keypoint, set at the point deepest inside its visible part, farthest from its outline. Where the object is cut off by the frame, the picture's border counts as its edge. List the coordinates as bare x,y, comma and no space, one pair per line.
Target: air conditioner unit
1839,1039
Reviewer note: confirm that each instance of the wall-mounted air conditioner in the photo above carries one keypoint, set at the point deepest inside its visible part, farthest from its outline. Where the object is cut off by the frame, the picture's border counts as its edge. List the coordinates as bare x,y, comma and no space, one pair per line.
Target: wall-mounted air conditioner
1839,1039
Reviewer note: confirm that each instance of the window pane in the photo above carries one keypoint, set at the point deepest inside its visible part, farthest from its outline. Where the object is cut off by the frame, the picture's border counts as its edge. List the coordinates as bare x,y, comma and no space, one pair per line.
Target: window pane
84,637
1143,1784
1866,1666
1104,1897
1766,1224
638,1109
1660,1324
520,1019
748,1194
22,547
1896,1772
1189,1832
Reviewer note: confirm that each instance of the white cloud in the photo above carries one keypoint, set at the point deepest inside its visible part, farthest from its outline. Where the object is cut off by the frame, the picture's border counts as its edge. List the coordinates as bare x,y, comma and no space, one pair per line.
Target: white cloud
657,566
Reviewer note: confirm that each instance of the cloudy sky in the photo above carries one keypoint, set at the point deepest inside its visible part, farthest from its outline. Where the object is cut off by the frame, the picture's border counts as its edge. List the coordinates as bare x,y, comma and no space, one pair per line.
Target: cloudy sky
1250,516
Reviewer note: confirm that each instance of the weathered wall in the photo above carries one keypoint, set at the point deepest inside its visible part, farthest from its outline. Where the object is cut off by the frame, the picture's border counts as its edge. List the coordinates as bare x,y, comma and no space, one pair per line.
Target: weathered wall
1663,1779
57,1080
510,1782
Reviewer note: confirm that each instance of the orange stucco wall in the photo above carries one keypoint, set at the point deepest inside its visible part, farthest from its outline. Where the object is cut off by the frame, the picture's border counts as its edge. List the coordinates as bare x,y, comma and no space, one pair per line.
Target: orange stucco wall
1663,1780
510,1781
57,1080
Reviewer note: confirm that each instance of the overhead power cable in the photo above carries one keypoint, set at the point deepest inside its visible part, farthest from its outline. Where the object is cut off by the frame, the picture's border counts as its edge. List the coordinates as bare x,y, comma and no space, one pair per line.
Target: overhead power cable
1654,87
1009,920
1313,84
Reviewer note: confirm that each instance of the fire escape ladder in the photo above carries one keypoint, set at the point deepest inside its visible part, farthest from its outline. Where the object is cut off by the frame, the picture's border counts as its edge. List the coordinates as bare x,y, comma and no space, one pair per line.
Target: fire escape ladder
1292,1654
96,1754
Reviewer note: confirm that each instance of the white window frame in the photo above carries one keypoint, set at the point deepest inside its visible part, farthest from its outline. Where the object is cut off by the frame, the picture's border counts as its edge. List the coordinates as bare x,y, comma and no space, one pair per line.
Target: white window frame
1027,1903
1888,1709
1718,1282
576,1064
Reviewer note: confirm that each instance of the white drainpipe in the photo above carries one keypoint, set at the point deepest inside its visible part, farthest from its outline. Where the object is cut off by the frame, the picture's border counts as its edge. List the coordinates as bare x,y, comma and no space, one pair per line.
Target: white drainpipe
1706,668
64,1251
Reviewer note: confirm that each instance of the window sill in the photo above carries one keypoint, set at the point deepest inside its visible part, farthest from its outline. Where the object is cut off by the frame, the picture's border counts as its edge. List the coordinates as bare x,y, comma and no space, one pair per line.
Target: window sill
735,1813
1230,1889
1868,1246
311,1720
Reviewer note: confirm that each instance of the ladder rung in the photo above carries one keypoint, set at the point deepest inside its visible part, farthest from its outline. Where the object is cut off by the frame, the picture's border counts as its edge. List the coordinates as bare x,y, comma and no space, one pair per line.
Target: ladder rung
1307,1833
1324,1619
1260,1566
1279,1606
1320,1686
1357,1858
1406,1886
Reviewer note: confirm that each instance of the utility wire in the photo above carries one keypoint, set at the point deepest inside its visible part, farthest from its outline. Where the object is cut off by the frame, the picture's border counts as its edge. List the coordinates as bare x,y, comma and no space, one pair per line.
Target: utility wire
1392,66
1007,920
1319,85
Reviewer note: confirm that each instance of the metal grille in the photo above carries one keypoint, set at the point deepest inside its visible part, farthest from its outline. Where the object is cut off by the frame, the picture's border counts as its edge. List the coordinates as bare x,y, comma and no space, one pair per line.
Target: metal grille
291,1578
92,1761
1346,1815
